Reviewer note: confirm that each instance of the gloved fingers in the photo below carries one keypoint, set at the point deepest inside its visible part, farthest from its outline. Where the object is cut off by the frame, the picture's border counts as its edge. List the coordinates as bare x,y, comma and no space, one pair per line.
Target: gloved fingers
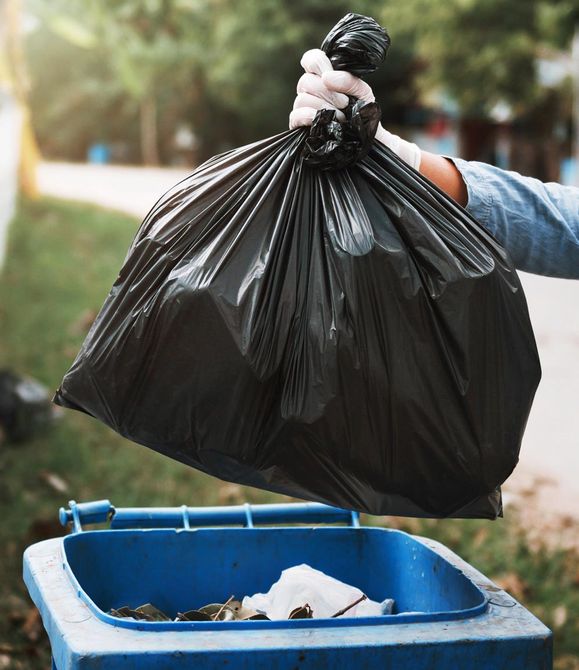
344,82
307,100
312,101
315,61
312,84
303,116
313,95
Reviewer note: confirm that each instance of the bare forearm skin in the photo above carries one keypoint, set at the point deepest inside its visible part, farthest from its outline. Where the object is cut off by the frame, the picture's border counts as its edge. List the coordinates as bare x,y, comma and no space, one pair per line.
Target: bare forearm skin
444,174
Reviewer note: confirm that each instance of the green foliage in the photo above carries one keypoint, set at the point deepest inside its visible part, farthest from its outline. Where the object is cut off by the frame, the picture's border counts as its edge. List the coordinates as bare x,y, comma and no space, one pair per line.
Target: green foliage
252,62
118,57
482,51
231,74
76,99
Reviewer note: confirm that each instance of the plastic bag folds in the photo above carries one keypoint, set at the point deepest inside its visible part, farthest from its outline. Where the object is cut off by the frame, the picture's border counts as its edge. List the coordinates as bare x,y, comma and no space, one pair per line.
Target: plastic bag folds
350,336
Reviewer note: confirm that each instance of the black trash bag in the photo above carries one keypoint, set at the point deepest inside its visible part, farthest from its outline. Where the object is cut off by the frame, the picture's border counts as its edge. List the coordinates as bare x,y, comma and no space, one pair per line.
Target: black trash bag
350,335
25,408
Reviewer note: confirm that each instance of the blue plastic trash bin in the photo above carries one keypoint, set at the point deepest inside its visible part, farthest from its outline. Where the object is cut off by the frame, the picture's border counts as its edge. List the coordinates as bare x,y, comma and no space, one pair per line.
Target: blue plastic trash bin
98,154
447,615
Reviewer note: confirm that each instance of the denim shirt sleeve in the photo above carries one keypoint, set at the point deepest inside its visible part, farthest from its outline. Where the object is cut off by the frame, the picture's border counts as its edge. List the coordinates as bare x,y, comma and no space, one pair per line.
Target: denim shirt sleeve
537,223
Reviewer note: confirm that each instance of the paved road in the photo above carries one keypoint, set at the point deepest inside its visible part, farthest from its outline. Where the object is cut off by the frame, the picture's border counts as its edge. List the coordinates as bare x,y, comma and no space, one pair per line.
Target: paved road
551,443
550,451
133,190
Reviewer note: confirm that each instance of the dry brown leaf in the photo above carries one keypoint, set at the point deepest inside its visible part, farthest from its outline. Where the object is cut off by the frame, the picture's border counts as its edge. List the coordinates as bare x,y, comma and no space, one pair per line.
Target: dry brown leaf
559,616
32,626
513,584
566,662
17,608
82,324
44,529
54,481
230,494
480,537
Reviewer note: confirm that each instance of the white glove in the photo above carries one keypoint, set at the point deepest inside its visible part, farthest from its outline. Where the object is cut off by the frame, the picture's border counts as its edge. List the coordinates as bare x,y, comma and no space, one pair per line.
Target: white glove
321,87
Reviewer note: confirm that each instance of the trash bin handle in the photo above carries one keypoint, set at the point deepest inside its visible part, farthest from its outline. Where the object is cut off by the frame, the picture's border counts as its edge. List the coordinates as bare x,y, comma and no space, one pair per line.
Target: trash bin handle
247,515
97,511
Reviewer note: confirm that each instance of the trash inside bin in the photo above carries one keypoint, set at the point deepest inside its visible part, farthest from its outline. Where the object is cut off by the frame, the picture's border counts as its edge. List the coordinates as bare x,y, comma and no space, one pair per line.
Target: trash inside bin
301,592
304,587
446,614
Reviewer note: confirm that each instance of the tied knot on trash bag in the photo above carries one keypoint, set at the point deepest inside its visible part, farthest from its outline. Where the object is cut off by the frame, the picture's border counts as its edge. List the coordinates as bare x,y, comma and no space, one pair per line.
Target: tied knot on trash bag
332,145
357,44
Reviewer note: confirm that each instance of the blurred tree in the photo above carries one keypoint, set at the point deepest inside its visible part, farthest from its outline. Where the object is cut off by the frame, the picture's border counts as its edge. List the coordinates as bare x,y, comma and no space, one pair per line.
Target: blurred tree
152,47
76,100
125,55
245,81
106,69
483,52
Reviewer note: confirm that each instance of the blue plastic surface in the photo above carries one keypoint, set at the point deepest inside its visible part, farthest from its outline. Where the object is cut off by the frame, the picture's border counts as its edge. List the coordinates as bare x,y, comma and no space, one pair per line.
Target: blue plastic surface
447,614
98,154
209,565
244,515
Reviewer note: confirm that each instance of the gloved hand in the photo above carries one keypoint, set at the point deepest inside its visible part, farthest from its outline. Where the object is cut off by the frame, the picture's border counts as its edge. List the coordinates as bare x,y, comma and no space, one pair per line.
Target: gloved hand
322,87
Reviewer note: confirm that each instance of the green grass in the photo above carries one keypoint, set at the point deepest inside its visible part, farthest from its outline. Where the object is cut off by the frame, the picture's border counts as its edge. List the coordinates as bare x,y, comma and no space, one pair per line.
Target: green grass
61,262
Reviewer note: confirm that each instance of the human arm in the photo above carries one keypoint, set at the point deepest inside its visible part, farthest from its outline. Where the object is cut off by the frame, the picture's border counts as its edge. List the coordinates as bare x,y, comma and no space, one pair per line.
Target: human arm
537,223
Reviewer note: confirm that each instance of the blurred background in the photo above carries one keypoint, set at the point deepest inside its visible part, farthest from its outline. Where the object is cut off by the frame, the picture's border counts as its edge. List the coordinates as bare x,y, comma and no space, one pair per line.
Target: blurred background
110,102
172,82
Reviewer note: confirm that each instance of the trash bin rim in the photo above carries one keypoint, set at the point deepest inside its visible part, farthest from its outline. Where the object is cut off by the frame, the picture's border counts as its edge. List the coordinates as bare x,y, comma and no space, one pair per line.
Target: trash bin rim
175,626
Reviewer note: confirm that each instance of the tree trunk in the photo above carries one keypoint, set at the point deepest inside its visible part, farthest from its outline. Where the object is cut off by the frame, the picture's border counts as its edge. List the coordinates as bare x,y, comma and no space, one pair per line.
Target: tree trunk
149,136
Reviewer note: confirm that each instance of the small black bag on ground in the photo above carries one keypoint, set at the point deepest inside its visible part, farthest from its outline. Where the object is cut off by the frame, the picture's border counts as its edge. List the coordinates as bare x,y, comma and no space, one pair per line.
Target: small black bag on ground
309,315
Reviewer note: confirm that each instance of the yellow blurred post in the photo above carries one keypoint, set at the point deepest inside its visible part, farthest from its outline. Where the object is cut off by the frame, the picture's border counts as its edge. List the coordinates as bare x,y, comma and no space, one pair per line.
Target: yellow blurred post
29,157
13,75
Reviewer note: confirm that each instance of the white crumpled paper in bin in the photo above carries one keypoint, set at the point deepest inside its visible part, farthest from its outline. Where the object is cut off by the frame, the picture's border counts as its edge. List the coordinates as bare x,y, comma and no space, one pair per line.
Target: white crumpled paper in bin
325,595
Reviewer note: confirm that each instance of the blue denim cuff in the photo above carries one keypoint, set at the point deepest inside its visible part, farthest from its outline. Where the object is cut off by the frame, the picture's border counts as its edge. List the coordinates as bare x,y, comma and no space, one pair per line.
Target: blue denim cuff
480,196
